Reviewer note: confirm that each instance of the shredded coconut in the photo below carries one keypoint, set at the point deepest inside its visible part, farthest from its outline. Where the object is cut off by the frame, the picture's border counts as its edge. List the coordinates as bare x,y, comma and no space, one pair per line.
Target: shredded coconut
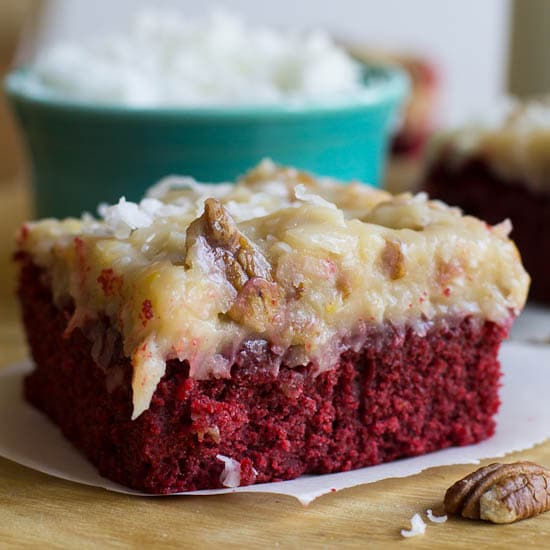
418,527
231,475
123,217
435,519
165,59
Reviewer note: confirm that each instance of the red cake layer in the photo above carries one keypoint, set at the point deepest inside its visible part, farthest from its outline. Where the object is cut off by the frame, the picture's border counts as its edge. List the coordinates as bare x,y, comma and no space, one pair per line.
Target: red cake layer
478,191
401,395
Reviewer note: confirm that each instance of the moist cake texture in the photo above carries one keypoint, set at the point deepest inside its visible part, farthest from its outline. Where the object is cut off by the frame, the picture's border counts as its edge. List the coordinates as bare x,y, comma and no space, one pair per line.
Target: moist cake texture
275,327
501,170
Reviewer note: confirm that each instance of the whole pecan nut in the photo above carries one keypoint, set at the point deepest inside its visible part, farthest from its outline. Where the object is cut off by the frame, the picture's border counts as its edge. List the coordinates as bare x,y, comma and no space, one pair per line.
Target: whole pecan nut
501,493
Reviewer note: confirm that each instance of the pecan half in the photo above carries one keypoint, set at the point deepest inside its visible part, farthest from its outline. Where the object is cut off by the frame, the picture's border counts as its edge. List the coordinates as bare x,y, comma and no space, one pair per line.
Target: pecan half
501,493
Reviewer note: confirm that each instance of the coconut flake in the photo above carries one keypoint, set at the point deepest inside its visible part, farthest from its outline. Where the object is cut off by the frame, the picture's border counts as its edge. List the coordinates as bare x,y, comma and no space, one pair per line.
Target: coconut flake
158,209
184,183
231,475
149,367
418,527
503,229
302,194
435,519
170,183
125,216
122,218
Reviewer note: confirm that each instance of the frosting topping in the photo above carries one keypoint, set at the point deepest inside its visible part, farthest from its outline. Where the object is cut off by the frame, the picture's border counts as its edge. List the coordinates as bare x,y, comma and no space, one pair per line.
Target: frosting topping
193,271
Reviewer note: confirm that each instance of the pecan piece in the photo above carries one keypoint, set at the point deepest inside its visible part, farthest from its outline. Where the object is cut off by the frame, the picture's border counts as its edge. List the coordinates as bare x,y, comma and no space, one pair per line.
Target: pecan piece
393,260
257,304
238,256
501,493
258,296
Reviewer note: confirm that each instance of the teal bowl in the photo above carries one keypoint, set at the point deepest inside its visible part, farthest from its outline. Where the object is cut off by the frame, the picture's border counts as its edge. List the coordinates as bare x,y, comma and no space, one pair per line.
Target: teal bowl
85,153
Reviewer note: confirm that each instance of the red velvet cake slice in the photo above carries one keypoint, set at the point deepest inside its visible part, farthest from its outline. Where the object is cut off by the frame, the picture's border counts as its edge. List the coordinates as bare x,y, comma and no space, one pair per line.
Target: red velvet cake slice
226,335
502,170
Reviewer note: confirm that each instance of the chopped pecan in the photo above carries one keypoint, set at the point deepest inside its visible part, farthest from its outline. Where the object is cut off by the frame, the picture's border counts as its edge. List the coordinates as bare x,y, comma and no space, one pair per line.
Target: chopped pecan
501,493
238,256
257,304
393,261
258,297
344,285
221,229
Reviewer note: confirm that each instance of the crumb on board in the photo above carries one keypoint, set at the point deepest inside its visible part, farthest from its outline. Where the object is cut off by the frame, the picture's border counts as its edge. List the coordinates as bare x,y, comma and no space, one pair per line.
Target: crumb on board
435,519
418,527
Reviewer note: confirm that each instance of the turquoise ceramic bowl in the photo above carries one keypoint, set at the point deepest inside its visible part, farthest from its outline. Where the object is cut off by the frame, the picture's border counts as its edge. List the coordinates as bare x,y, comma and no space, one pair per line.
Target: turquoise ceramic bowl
84,153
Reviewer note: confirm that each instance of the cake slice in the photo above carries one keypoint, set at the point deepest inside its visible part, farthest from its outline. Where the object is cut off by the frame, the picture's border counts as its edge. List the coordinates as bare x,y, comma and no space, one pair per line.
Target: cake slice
501,170
224,335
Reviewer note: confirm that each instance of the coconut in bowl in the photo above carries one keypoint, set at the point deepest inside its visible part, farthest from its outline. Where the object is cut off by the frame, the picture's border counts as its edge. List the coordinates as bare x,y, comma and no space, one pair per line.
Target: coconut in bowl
208,98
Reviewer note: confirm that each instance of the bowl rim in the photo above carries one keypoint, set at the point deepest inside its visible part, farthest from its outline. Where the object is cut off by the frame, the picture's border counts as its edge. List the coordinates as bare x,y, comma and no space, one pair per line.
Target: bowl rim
389,84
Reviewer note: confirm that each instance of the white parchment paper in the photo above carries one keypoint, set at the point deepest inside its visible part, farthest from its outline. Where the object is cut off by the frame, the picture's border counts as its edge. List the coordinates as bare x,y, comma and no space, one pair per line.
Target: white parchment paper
29,438
533,325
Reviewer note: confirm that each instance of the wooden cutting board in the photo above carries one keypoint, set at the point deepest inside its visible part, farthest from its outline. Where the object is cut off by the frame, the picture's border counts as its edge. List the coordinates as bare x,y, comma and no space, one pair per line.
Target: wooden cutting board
39,511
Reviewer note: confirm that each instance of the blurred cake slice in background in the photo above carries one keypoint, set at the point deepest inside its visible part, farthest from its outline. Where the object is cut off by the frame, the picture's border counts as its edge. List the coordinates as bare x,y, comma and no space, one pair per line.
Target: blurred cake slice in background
501,169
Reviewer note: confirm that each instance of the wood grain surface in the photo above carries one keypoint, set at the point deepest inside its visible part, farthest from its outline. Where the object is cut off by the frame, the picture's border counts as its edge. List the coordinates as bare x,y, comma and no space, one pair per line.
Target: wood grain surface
38,511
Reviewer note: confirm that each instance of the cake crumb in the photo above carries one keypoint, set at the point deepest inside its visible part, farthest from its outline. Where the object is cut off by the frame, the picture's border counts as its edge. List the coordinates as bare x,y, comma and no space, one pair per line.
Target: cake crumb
418,527
435,519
